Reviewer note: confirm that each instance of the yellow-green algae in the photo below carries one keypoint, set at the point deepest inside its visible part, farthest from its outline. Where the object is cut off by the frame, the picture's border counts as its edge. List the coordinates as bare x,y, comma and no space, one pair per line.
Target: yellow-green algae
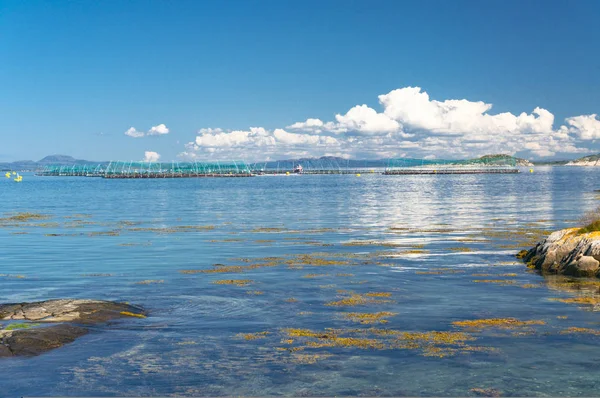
486,392
311,276
267,229
136,244
495,281
252,336
448,270
433,343
331,286
530,285
17,326
307,259
414,252
309,359
355,299
587,300
378,294
379,243
174,229
226,240
522,254
369,318
460,249
573,330
500,323
115,232
25,217
230,269
127,313
236,282
150,282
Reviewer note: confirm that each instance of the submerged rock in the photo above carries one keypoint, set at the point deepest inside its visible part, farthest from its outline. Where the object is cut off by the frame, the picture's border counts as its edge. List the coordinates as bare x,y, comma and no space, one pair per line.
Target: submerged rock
567,252
33,340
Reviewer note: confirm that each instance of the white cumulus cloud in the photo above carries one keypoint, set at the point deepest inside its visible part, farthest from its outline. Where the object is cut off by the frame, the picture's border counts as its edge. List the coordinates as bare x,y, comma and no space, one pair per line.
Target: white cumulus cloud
283,137
132,132
586,127
409,123
364,120
314,125
150,156
255,143
158,130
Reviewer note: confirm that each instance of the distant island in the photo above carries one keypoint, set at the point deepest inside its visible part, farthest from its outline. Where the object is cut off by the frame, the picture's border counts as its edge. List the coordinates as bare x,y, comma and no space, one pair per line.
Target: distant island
64,160
518,161
592,160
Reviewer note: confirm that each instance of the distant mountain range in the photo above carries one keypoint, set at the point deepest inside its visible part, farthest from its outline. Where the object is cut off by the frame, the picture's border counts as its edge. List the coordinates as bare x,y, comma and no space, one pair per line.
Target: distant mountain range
30,165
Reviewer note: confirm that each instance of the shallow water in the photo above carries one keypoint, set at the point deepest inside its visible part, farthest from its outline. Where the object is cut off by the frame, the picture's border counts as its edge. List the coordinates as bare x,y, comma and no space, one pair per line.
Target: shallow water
442,246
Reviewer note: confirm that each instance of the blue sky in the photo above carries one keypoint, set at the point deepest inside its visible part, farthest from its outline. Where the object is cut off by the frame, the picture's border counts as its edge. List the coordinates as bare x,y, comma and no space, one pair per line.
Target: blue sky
76,75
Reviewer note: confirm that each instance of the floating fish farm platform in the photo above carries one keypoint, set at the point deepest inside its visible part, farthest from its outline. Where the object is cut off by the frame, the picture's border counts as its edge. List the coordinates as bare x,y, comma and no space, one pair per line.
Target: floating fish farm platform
412,171
236,169
139,170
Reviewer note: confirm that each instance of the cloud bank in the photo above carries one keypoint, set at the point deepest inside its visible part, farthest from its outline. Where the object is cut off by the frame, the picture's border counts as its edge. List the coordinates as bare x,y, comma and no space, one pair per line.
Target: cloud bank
409,123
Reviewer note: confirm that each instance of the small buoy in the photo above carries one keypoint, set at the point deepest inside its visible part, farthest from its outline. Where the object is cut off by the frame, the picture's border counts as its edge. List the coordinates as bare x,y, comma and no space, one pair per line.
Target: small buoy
531,170
14,173
358,175
7,175
287,173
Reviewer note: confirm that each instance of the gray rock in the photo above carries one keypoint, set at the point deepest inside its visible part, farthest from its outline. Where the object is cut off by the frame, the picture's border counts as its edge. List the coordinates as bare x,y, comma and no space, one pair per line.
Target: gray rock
69,310
31,342
583,266
567,252
5,351
37,340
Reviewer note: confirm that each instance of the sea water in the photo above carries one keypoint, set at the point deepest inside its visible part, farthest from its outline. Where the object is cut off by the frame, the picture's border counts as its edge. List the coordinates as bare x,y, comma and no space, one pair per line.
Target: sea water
430,250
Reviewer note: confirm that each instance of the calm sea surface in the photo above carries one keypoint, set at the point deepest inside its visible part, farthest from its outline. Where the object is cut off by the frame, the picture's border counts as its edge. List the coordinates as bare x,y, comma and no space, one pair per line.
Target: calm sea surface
316,257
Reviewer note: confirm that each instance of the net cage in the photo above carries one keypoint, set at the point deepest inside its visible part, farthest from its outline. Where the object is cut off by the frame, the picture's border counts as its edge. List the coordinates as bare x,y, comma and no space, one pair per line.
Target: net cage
317,166
124,169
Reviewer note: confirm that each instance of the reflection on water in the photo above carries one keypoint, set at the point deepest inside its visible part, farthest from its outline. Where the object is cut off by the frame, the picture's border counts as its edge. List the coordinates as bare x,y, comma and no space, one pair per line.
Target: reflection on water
307,285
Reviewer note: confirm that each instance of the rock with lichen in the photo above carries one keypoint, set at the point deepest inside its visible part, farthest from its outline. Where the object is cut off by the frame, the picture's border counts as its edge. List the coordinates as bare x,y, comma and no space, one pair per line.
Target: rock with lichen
567,252
69,318
68,310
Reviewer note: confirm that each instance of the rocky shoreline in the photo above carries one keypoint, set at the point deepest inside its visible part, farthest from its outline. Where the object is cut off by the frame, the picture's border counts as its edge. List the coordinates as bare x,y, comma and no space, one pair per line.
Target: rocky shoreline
566,252
69,320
